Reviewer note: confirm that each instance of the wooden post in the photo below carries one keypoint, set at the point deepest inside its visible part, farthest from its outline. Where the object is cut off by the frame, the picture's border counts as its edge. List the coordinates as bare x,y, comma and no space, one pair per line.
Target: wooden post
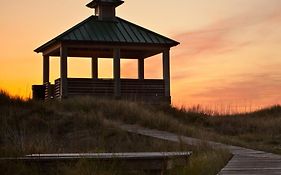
166,71
141,68
95,68
116,69
46,69
63,72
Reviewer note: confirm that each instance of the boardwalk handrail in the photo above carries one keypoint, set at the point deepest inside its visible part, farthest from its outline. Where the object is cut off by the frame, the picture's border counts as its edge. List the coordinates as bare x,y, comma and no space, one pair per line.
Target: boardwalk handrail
136,155
156,162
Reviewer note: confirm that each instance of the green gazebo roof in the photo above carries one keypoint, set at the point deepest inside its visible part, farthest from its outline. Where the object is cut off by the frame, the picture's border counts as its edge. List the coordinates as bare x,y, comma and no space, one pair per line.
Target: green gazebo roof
118,31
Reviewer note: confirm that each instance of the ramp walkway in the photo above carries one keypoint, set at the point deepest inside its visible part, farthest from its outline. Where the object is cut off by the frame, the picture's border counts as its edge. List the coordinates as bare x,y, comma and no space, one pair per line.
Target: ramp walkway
244,162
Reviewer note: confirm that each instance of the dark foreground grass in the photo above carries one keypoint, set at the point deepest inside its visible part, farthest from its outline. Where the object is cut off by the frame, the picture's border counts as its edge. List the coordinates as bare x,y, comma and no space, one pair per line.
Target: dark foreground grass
84,125
257,130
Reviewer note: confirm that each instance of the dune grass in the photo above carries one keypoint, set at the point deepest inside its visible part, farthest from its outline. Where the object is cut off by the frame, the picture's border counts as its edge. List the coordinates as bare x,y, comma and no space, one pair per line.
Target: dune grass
85,125
257,130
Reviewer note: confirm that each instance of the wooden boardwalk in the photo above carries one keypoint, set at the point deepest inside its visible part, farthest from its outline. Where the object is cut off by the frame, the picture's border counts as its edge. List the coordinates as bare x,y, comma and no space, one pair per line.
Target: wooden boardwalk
150,162
244,162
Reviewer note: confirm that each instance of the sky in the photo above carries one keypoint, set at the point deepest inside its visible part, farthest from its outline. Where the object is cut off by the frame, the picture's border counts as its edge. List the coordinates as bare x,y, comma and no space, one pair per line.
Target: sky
230,51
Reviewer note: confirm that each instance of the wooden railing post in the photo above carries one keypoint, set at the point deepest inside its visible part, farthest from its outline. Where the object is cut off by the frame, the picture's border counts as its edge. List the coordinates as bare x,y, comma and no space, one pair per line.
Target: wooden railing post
166,71
95,68
63,72
116,69
46,69
141,69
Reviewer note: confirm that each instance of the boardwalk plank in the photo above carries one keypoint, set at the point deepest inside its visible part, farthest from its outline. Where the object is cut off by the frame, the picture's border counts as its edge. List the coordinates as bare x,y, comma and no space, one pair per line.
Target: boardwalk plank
244,162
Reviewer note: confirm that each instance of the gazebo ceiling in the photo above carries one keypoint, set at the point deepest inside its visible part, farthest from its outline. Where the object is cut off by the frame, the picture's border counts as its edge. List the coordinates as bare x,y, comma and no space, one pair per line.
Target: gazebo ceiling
107,52
103,33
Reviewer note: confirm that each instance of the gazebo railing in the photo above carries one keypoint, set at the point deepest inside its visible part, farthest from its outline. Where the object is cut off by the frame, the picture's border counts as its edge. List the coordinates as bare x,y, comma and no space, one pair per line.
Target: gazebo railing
49,91
57,88
130,88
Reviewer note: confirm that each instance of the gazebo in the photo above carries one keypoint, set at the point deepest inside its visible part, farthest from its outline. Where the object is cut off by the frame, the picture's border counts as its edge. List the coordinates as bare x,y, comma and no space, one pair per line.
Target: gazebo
104,35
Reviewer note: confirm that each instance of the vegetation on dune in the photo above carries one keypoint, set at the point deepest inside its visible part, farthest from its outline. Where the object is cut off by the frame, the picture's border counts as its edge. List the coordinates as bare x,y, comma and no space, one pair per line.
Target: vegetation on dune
37,127
258,130
85,125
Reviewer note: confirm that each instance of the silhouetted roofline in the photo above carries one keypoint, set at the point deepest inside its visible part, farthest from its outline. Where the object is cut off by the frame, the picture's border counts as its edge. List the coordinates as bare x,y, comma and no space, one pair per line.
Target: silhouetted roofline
56,39
130,33
175,42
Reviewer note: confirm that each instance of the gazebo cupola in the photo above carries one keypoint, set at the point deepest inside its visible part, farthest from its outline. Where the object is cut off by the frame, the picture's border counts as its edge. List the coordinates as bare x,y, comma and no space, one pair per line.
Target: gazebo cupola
105,9
104,35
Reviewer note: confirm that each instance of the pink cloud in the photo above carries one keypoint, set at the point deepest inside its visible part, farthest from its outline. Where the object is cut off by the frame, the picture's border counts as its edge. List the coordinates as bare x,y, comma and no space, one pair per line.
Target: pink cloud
216,37
262,88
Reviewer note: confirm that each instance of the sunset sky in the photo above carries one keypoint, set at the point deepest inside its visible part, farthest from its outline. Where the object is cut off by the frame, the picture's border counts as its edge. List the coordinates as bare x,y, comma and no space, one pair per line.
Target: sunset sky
230,52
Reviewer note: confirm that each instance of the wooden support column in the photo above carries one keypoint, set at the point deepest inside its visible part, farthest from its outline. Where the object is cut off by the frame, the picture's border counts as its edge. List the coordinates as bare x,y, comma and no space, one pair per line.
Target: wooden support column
166,71
141,68
63,72
116,69
95,68
46,69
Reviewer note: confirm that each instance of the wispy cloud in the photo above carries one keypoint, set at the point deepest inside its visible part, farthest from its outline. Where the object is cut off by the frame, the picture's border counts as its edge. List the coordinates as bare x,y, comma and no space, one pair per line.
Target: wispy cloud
226,38
259,88
217,37
226,61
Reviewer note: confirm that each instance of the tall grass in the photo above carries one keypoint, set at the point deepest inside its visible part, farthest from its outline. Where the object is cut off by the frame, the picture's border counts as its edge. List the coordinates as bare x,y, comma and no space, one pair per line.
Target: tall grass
225,109
85,125
258,130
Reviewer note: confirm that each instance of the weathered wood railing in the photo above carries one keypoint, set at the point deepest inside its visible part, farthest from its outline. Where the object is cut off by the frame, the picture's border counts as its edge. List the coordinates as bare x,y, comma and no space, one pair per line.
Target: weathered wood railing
49,91
38,92
152,162
130,88
57,88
